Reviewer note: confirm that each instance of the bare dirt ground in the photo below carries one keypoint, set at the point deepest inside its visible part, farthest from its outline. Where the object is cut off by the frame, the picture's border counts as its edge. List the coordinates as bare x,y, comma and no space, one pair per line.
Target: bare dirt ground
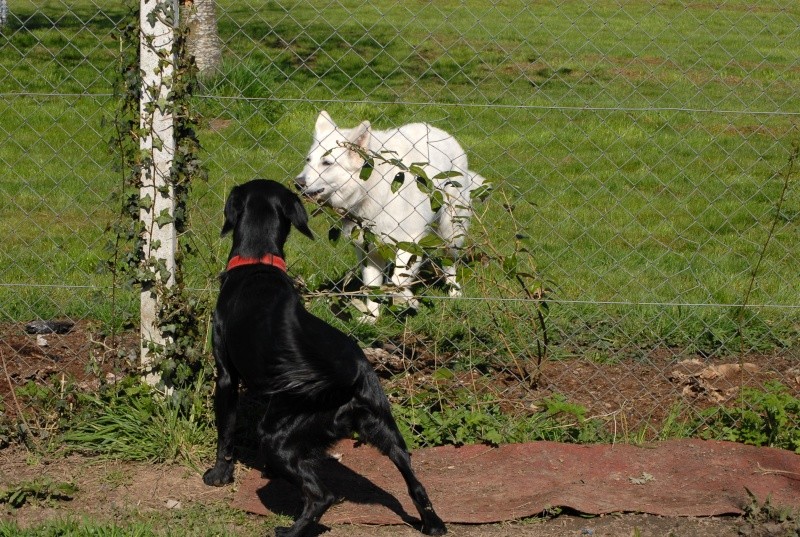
121,491
630,393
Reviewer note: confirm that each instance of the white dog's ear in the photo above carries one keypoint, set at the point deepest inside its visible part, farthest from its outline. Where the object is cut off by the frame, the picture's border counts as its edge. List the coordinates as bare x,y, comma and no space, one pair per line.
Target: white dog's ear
324,122
361,135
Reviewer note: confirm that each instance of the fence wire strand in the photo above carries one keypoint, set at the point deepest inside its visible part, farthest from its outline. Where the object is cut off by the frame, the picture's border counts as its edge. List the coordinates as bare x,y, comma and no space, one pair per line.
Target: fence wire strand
636,153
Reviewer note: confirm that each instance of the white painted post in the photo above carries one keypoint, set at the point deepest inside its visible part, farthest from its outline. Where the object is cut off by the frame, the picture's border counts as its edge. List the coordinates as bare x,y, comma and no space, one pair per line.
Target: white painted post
157,21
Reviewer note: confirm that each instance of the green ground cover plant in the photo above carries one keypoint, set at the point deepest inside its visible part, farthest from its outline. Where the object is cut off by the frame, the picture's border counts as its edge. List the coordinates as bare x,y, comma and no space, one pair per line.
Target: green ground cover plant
18,494
761,418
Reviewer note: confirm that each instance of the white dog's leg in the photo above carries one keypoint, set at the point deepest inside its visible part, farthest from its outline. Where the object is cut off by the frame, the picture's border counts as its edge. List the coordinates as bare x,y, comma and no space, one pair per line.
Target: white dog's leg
403,277
372,272
373,268
451,280
453,226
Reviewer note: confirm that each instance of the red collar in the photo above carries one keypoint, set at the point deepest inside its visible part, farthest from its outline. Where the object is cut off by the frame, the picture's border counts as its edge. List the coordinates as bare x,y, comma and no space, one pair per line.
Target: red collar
269,259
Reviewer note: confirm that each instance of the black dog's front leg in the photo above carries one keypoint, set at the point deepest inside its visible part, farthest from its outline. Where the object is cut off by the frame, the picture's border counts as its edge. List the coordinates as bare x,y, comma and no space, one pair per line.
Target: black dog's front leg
225,400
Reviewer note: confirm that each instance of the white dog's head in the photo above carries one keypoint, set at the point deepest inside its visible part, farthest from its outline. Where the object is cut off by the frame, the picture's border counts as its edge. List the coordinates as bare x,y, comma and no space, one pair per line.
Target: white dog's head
331,173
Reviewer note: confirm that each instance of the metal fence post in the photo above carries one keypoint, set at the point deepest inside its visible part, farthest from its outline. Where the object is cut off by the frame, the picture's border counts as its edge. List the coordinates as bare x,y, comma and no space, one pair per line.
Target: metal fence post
157,19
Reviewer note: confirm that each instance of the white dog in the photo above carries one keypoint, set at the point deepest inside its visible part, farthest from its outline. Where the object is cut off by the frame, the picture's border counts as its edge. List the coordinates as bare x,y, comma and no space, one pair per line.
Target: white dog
389,200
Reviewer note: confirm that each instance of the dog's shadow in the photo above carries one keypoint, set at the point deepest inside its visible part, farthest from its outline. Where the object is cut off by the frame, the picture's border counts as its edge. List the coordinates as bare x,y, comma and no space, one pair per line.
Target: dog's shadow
282,498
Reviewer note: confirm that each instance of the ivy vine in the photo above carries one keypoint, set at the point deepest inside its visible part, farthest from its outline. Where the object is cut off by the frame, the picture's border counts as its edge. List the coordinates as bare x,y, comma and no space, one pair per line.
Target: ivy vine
181,316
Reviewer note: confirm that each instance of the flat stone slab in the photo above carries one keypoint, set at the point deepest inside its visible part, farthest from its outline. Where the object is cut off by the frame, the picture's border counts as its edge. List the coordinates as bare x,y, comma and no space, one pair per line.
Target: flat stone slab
480,484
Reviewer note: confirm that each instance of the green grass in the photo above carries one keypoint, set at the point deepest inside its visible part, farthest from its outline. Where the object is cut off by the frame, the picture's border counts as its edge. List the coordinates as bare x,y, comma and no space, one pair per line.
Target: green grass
132,423
200,519
640,145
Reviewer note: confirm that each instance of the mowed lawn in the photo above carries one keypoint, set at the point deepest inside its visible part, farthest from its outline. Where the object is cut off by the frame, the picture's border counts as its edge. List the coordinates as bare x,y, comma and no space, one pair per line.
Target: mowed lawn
639,153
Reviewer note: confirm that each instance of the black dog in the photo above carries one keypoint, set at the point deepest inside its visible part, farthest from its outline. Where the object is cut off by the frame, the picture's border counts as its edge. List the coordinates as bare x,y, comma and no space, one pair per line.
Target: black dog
318,384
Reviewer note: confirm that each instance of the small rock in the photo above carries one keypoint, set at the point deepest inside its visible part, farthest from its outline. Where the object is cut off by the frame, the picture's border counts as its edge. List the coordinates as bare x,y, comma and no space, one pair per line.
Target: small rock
644,478
774,529
173,504
41,341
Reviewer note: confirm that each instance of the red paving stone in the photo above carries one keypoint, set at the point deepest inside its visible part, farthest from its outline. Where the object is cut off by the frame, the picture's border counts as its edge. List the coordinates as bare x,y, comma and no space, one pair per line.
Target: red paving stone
480,484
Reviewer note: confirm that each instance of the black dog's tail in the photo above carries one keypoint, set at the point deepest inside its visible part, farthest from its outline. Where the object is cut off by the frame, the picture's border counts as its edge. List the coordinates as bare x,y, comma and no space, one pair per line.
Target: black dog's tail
375,423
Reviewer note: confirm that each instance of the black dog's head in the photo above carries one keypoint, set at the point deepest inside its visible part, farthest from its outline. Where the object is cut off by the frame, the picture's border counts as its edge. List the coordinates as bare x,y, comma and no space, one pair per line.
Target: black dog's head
260,214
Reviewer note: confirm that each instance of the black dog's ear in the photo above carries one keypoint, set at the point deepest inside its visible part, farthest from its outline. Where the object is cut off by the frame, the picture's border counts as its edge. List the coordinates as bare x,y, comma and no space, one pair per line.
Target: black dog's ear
298,216
234,206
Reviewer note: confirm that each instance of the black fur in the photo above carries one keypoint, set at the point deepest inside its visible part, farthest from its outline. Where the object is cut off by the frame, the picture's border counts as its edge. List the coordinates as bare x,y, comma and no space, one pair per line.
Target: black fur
319,386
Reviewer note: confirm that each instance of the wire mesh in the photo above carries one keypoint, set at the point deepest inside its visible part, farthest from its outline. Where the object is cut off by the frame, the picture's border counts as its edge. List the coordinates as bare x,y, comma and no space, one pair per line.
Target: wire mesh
640,235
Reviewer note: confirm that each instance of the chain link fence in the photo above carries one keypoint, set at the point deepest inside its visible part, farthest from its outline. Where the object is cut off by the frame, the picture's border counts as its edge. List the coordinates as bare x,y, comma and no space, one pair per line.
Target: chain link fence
634,265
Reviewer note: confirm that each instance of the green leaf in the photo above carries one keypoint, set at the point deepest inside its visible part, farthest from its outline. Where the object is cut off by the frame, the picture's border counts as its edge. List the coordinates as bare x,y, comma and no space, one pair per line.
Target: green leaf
447,175
493,437
431,241
146,202
164,218
367,169
437,200
410,247
510,264
482,192
443,373
418,169
423,183
398,181
386,251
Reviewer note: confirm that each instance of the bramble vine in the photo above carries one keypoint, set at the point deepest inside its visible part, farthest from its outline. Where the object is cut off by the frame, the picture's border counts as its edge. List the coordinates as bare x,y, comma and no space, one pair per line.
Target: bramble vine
515,268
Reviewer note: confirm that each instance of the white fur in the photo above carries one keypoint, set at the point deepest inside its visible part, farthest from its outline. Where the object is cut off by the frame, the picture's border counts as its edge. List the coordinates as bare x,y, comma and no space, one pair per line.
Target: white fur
331,177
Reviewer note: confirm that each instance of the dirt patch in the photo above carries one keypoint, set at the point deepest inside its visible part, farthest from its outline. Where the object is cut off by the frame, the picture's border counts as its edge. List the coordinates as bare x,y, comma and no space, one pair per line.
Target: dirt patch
83,354
105,490
633,396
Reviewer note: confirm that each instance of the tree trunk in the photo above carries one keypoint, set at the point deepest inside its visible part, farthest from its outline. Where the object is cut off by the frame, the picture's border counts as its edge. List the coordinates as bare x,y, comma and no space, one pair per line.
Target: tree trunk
203,42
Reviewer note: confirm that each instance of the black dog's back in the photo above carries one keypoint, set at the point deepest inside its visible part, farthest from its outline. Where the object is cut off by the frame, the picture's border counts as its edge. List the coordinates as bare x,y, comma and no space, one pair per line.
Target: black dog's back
276,346
317,384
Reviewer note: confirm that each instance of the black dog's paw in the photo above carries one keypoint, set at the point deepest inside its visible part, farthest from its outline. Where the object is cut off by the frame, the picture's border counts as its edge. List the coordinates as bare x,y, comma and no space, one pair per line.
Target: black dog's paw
267,473
219,475
301,528
434,527
290,531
